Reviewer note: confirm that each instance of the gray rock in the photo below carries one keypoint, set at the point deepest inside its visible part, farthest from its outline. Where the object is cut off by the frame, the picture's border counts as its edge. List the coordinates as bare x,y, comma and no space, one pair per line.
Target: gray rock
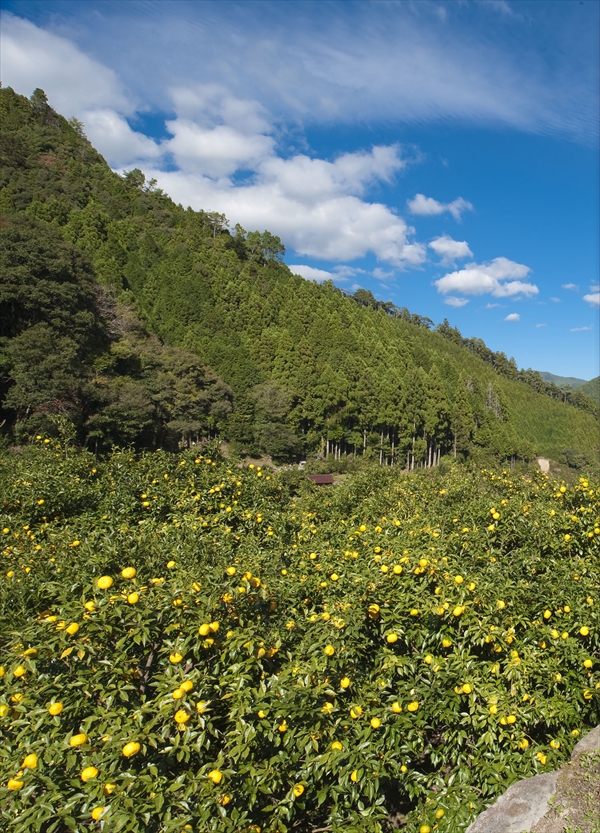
589,743
525,803
521,806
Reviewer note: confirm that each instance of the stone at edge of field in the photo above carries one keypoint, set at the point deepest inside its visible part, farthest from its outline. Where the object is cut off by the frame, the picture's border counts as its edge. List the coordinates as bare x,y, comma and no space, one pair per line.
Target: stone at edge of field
521,806
525,803
589,743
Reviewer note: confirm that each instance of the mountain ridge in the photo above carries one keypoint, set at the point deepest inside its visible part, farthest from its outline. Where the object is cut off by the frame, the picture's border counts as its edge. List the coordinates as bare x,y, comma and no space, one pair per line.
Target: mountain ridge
300,367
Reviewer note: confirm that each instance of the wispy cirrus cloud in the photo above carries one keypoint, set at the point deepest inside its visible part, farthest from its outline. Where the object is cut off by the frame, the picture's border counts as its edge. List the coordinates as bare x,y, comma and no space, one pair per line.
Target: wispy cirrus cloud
580,329
409,62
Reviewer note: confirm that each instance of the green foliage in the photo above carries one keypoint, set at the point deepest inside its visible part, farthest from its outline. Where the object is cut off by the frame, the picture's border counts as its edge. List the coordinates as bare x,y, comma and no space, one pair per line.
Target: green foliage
345,659
591,389
355,376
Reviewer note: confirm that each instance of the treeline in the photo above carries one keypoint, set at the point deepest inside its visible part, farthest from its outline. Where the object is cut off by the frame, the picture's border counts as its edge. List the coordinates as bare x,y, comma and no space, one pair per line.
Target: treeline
584,397
508,368
144,323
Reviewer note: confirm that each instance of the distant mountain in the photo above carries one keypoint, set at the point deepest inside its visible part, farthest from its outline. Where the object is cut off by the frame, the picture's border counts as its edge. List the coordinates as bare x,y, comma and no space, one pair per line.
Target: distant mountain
592,389
562,381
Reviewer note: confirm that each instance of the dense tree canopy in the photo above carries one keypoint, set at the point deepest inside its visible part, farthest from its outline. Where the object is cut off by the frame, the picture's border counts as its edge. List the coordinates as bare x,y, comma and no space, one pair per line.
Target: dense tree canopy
116,302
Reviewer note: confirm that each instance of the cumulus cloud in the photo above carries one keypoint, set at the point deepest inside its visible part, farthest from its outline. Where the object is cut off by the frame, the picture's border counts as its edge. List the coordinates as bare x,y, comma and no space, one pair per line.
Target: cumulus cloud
571,286
500,278
513,316
428,207
318,206
223,149
450,250
335,227
592,298
312,274
217,151
111,133
580,329
452,301
33,57
76,85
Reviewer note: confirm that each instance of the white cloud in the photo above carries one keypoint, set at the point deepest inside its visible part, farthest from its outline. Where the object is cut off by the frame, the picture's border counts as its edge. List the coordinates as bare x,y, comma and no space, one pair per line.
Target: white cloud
112,135
409,62
428,207
492,306
312,274
513,316
382,274
343,272
450,250
455,302
74,83
595,288
492,278
593,299
315,205
572,286
556,300
500,6
580,329
541,325
216,152
363,63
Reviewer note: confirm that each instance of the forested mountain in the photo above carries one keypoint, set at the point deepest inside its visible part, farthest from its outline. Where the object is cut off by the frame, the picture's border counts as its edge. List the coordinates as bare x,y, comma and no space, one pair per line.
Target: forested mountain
562,381
140,322
591,389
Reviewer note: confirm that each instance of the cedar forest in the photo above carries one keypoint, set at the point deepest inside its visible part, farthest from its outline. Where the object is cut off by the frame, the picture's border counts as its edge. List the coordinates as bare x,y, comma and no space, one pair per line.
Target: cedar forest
128,320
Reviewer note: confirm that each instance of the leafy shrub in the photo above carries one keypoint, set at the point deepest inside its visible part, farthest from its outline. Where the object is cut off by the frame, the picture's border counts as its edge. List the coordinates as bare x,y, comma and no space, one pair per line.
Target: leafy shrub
228,658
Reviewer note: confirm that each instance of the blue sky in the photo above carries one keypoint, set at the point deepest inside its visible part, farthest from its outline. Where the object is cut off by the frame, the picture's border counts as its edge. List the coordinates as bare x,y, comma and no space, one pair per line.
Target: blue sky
443,155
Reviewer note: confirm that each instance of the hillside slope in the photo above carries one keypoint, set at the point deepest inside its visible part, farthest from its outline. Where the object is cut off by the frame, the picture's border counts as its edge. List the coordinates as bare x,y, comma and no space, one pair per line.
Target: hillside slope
592,389
310,370
562,381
